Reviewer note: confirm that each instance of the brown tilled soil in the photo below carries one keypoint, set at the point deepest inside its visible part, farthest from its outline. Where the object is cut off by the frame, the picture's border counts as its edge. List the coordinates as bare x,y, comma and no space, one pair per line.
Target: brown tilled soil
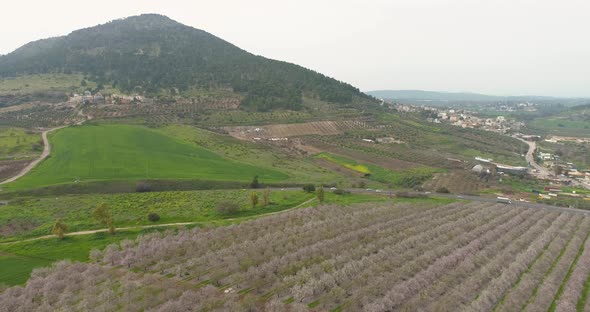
296,129
9,168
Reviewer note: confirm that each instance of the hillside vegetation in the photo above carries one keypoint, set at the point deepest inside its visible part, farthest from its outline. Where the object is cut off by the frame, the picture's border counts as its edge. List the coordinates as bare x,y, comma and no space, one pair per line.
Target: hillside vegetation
155,55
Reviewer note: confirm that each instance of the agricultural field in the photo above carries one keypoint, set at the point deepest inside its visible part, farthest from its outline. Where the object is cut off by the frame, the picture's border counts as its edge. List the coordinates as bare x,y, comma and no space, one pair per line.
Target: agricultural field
407,178
39,115
371,257
111,152
18,260
565,125
417,143
296,129
17,143
301,170
456,181
20,252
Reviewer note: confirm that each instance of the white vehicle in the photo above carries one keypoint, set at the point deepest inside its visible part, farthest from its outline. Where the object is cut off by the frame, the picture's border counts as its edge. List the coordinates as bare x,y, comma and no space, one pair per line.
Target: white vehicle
504,200
333,188
378,191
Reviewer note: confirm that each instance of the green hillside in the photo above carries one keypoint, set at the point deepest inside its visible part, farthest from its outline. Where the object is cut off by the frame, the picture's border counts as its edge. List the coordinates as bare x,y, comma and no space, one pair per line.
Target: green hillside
155,55
105,152
572,122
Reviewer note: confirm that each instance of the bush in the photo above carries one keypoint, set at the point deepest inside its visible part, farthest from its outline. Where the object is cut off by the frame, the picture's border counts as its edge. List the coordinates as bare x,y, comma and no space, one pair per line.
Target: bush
410,195
142,187
227,207
340,192
153,217
255,184
309,188
443,189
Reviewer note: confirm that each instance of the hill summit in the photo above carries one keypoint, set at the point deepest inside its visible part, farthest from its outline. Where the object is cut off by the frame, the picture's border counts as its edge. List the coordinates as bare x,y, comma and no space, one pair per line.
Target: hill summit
152,53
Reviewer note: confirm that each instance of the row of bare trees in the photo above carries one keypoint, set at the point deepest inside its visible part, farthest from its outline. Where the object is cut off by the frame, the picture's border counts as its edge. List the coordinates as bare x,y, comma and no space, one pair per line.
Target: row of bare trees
369,257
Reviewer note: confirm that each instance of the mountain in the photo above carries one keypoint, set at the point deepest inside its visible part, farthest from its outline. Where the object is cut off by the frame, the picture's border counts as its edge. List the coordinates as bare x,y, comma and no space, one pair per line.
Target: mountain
152,54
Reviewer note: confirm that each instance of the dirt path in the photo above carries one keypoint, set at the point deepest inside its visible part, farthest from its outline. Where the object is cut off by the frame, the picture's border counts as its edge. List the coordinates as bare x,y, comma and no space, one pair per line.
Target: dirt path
139,227
46,151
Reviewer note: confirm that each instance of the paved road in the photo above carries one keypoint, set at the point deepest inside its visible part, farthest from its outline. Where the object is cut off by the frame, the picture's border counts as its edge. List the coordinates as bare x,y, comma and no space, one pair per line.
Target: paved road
530,158
46,151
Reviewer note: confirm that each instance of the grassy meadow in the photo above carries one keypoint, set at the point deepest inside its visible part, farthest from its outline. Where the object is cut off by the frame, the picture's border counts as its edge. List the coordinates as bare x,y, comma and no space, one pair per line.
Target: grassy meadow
19,143
118,152
35,216
401,178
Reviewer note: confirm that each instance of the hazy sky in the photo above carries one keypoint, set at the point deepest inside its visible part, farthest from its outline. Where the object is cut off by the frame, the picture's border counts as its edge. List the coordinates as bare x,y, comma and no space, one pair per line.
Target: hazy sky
496,46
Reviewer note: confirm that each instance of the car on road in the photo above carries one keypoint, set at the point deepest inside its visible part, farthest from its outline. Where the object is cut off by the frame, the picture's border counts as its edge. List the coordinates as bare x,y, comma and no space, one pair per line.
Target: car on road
333,188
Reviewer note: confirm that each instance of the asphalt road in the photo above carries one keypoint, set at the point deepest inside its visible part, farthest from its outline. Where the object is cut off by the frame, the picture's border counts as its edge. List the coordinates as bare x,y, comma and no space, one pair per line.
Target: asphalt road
460,197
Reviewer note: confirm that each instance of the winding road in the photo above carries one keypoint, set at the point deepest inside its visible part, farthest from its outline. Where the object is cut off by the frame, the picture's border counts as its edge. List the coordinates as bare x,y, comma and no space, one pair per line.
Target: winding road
530,158
46,151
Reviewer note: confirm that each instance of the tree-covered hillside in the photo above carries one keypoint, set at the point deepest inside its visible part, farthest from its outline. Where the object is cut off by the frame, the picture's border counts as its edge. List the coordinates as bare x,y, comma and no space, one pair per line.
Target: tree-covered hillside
152,53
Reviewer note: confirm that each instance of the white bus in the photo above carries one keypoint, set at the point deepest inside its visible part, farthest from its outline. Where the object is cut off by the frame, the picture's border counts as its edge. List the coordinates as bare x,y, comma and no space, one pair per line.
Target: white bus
504,200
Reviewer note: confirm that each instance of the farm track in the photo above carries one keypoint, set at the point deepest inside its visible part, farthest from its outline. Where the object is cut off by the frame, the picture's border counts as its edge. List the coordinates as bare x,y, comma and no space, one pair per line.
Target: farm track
139,227
34,163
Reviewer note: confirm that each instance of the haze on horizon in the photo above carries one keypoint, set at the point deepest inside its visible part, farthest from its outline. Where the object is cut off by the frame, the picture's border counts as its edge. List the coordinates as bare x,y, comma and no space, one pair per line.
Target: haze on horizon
499,47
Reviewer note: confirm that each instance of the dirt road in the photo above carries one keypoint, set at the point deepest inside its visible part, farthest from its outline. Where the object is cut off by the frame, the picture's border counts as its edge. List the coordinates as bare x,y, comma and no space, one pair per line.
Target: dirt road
46,151
530,158
139,227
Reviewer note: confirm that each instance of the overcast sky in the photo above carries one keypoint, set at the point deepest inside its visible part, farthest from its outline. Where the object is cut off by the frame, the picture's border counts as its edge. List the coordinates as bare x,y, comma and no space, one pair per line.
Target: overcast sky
504,47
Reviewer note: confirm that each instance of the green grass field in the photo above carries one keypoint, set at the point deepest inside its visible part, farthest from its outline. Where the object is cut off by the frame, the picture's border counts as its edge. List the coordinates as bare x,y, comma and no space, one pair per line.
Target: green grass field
562,125
301,170
31,217
19,143
400,178
112,152
18,260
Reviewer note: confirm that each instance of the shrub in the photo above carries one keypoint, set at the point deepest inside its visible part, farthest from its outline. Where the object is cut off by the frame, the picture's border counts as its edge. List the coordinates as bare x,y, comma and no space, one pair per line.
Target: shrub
309,188
340,192
255,183
227,207
410,195
320,194
142,187
153,217
442,189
